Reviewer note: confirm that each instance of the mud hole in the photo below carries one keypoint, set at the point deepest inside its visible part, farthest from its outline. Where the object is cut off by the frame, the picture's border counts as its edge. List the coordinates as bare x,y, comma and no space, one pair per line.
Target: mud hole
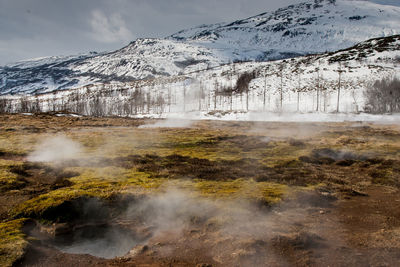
191,230
100,240
89,226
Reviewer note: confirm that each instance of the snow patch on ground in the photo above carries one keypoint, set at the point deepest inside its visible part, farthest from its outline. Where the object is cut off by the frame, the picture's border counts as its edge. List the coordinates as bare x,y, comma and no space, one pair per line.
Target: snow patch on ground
272,117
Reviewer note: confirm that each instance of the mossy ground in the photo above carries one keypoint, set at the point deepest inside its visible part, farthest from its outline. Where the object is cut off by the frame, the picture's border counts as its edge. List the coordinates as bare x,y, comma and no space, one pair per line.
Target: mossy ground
256,161
13,243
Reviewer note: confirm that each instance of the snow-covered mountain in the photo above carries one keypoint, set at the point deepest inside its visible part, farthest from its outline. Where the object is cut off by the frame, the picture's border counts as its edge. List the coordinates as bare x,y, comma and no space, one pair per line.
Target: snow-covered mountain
323,83
141,59
312,27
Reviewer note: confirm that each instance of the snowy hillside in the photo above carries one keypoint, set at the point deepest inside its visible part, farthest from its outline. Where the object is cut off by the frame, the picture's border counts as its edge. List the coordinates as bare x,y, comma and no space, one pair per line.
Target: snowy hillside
322,83
40,75
149,58
307,28
141,59
310,83
311,27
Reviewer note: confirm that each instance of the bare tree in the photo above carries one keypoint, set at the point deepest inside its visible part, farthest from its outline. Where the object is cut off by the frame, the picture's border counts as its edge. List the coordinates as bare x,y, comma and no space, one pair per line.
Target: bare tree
96,106
216,86
35,105
184,96
200,94
265,87
5,105
23,104
280,74
148,101
169,98
317,69
298,71
383,96
159,103
340,71
231,79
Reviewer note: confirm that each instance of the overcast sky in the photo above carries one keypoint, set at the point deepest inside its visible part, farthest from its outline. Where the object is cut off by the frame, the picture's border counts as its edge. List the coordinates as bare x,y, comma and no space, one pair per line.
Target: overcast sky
36,28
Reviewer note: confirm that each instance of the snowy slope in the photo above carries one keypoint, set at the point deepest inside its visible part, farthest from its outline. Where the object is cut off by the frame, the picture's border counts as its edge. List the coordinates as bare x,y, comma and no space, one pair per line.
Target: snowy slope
307,84
310,83
141,59
148,58
310,27
40,75
307,28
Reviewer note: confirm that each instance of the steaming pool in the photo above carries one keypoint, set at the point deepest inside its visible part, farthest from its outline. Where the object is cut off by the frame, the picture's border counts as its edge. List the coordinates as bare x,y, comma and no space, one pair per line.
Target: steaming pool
91,226
104,241
101,240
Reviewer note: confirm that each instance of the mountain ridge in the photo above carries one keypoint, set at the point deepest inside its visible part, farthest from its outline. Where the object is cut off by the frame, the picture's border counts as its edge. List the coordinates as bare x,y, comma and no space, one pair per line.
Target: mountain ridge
306,28
341,21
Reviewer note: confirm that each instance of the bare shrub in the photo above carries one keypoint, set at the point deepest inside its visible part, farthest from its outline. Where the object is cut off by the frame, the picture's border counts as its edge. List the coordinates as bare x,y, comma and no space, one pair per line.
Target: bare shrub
242,84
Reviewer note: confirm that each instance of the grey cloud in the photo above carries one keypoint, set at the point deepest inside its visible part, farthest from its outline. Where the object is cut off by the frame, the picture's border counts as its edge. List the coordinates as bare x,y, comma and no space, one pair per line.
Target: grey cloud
109,29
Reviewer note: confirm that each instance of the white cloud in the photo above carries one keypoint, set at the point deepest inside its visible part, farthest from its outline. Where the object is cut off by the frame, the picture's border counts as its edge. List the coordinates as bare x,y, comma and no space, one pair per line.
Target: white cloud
110,29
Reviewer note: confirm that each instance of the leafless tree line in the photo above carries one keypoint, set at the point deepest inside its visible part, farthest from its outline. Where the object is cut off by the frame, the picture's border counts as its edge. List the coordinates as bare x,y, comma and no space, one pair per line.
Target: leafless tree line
383,96
99,103
118,100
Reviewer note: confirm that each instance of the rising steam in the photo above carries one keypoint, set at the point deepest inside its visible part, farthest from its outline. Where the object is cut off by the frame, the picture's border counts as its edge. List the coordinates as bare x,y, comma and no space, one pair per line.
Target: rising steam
236,232
55,149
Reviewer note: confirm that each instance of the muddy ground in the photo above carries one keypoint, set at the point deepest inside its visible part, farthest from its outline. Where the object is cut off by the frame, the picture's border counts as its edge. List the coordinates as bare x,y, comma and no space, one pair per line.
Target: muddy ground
209,194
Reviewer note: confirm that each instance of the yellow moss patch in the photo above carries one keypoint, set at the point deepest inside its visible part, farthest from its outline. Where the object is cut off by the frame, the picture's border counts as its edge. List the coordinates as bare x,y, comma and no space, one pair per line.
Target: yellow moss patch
143,180
8,180
18,142
110,174
12,242
240,188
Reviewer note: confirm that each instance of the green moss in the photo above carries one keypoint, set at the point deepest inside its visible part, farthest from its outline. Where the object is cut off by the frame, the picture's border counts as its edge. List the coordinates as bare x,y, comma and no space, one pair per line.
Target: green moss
12,242
8,179
240,188
142,180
